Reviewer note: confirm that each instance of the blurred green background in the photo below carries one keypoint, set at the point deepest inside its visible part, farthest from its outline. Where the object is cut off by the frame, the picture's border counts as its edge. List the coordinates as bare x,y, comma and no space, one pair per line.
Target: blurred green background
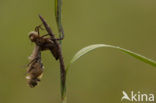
98,77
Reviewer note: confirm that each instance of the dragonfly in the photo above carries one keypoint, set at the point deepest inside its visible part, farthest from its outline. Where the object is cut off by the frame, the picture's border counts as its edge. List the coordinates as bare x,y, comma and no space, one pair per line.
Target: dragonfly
35,66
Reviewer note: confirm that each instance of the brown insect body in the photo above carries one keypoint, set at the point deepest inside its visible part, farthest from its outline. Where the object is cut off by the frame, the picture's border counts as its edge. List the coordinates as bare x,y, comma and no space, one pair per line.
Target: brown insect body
44,43
34,73
35,68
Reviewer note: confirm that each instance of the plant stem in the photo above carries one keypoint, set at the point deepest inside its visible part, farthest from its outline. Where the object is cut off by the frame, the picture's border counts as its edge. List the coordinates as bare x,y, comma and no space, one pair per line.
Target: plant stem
62,66
58,15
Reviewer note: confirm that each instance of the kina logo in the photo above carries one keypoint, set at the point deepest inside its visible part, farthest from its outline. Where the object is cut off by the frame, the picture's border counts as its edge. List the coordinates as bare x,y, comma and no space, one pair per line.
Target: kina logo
137,97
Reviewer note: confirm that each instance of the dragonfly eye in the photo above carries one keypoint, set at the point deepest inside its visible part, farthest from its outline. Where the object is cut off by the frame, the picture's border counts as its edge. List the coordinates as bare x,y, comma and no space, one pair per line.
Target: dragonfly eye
33,36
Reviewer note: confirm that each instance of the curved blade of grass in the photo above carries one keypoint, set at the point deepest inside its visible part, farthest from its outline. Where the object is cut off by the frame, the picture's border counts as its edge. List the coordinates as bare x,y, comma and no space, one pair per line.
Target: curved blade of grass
87,49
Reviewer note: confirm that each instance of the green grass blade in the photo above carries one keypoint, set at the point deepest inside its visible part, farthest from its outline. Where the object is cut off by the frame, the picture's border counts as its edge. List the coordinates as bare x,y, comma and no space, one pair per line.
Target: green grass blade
92,47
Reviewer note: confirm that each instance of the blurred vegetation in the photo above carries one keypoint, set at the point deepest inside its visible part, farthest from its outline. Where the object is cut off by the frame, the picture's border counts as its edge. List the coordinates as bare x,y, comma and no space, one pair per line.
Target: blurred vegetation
98,77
